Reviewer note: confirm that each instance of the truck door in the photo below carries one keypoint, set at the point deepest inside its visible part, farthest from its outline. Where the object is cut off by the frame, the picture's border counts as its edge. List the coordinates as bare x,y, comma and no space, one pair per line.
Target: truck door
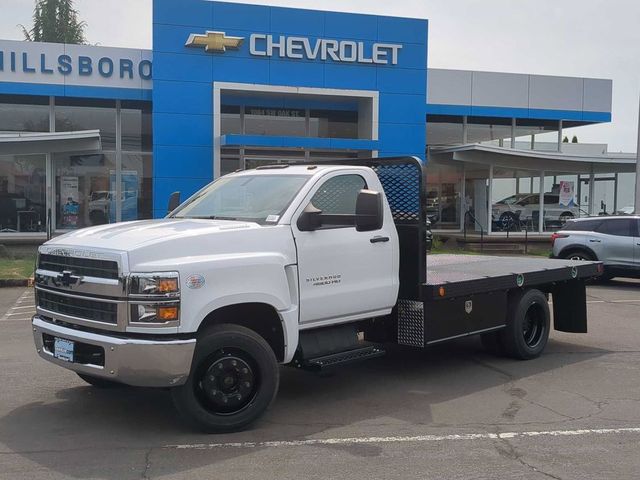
344,273
613,241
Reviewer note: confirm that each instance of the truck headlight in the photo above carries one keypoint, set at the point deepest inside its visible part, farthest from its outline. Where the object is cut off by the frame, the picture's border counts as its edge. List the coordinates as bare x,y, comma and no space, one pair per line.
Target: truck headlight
155,313
165,284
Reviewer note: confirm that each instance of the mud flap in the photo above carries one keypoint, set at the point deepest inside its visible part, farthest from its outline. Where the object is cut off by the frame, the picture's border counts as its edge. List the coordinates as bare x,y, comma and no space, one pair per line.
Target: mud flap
570,307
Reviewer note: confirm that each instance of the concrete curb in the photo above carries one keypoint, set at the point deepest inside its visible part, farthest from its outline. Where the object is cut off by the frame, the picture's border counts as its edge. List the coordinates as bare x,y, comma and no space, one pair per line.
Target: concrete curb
16,282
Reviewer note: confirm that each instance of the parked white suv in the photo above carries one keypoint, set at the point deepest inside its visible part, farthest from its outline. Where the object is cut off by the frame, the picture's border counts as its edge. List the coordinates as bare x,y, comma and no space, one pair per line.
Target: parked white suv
613,240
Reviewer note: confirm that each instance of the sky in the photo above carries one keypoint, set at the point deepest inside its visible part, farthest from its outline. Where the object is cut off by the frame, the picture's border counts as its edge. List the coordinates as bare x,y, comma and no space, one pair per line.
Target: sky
582,38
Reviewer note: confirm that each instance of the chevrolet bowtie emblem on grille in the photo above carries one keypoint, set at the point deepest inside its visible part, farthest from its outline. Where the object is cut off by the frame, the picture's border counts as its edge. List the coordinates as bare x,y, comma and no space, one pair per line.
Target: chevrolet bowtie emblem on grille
214,41
67,279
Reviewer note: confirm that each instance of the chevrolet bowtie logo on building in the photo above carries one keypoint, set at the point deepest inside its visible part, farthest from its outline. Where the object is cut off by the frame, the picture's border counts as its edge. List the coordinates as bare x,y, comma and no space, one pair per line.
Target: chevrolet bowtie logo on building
214,41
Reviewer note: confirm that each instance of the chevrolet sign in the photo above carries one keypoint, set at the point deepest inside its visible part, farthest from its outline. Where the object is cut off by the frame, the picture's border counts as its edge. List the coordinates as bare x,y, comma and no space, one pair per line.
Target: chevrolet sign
323,49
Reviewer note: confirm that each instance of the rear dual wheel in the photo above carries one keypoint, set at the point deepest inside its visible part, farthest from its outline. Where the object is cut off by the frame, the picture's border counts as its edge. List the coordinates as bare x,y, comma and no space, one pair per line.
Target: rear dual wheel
234,378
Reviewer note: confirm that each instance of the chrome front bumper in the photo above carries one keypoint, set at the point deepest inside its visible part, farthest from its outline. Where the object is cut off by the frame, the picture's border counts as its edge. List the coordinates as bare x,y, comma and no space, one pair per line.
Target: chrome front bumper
142,363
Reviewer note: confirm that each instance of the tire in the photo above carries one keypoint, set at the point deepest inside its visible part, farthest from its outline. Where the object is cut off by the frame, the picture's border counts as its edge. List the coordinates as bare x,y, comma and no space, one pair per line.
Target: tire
99,382
246,387
578,255
507,221
565,217
528,324
492,342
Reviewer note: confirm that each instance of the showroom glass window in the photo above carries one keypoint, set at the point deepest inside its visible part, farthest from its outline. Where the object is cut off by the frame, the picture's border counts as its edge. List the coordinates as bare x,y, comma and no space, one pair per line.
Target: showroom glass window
20,113
83,185
75,114
22,193
136,126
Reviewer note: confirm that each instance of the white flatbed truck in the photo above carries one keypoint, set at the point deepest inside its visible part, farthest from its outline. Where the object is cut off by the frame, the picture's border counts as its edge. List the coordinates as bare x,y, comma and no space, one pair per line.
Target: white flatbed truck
314,266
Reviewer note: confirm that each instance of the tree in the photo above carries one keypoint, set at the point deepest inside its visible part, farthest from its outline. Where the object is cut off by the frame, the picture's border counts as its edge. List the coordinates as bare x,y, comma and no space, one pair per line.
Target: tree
55,21
574,139
565,139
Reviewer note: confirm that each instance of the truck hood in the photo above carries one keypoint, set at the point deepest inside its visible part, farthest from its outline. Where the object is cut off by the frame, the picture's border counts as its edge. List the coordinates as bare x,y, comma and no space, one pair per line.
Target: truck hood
129,236
151,244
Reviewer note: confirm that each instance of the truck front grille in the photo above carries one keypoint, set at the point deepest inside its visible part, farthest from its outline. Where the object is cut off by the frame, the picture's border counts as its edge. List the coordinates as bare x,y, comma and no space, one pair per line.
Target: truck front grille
94,310
89,267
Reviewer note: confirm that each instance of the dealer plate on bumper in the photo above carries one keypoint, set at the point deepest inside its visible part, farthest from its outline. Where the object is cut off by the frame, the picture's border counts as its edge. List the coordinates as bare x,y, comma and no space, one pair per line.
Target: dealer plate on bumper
63,349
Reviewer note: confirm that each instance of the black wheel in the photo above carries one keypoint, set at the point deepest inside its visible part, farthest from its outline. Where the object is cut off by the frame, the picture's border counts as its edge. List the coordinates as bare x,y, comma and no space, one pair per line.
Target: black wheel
492,342
99,382
508,221
527,330
565,217
234,378
578,255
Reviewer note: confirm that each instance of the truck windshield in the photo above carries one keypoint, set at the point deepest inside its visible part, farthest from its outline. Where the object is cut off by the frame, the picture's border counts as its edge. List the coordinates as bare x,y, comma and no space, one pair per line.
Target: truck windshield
256,198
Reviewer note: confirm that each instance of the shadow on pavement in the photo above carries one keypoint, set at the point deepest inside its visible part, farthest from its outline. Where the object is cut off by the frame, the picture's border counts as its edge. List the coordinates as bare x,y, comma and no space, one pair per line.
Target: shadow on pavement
92,433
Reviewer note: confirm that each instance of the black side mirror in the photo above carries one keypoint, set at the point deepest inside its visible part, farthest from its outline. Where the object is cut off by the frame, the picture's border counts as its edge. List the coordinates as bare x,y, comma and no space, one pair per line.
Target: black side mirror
369,214
310,219
174,202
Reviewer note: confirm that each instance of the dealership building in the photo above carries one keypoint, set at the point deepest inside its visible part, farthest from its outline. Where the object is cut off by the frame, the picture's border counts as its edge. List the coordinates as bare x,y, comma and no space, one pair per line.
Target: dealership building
91,134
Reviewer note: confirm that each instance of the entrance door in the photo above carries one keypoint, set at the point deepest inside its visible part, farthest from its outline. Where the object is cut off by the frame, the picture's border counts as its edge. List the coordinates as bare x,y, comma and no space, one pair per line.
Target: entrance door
344,273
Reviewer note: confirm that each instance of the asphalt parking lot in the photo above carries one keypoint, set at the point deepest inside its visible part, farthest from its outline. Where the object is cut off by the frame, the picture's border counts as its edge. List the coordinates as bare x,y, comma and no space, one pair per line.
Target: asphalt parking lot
447,412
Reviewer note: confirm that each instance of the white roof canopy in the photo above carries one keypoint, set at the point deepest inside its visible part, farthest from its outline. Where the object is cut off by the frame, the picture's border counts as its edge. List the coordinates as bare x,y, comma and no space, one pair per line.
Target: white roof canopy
535,160
19,143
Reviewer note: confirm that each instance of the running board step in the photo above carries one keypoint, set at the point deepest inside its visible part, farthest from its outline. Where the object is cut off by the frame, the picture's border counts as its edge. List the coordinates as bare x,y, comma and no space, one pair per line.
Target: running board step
342,358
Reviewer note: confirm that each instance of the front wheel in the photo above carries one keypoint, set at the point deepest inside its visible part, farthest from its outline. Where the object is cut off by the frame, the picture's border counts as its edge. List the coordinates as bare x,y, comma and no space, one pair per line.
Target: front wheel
234,378
527,330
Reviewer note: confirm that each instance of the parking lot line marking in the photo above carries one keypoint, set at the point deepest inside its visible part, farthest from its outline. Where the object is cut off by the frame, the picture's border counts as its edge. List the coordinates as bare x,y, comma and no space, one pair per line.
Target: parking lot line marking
26,306
406,439
14,314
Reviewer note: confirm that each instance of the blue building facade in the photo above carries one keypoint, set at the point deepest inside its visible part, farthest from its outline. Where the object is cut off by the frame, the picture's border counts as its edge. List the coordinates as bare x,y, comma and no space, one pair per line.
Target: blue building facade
316,60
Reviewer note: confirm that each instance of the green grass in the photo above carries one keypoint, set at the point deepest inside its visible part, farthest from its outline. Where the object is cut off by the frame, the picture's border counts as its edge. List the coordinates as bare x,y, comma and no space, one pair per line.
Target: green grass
16,268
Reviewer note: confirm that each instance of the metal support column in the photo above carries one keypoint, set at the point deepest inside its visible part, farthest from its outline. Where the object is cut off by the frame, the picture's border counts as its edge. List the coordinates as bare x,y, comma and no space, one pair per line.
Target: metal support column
118,189
560,135
50,199
489,201
513,133
541,204
637,203
465,133
615,193
591,190
463,197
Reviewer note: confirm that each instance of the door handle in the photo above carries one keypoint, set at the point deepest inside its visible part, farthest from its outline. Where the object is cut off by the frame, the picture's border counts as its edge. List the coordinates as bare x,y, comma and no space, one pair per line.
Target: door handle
595,241
379,239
